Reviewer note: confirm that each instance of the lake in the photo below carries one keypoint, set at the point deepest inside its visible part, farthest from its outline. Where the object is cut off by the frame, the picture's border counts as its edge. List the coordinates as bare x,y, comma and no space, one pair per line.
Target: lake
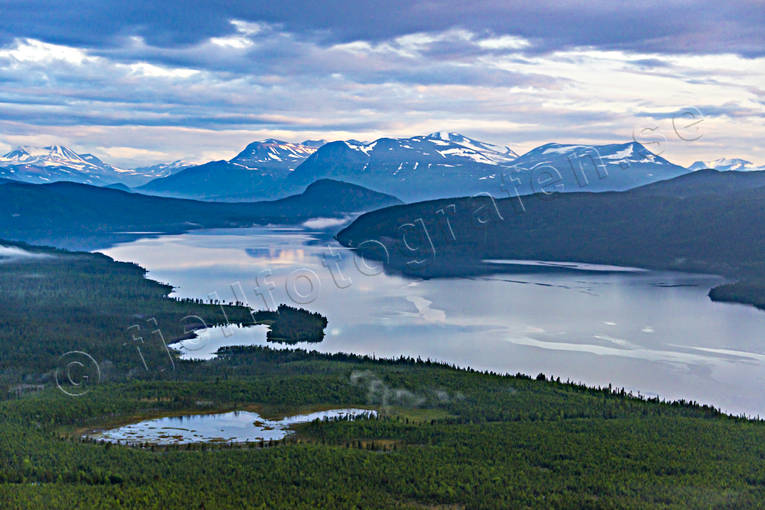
231,427
651,332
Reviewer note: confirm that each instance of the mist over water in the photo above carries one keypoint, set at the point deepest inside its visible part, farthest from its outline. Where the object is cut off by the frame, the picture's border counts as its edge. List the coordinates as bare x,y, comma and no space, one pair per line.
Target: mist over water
656,333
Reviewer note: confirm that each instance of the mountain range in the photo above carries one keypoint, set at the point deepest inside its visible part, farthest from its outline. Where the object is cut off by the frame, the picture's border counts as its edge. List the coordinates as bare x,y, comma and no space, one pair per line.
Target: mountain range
420,167
59,163
437,165
164,169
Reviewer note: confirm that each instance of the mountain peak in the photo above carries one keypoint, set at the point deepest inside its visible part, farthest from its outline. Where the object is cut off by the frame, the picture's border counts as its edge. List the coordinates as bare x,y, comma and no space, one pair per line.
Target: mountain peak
272,153
50,155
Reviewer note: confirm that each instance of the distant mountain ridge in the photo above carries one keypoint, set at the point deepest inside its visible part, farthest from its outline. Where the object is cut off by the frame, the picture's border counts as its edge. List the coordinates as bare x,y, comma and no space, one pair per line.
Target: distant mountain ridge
726,164
73,215
443,165
54,163
258,172
165,169
576,167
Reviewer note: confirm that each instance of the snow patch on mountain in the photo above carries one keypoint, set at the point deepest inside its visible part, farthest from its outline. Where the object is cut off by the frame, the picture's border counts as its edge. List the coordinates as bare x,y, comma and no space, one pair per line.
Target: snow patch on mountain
50,156
60,163
273,152
727,164
621,154
448,145
165,169
490,151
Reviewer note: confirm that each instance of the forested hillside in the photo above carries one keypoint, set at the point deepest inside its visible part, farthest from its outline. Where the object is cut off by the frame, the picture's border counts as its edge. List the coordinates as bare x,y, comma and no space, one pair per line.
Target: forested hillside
706,222
78,216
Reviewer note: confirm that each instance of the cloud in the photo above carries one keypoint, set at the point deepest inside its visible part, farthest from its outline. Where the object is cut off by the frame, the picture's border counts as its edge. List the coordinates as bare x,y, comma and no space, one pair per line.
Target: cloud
12,253
135,82
678,26
325,223
731,110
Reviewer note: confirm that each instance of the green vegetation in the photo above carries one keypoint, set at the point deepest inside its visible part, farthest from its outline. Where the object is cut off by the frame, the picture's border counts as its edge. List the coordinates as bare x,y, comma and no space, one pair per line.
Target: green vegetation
445,438
53,302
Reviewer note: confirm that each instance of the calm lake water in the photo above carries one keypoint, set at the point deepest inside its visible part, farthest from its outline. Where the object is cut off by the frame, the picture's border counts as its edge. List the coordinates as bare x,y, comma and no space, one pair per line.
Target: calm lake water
656,333
232,427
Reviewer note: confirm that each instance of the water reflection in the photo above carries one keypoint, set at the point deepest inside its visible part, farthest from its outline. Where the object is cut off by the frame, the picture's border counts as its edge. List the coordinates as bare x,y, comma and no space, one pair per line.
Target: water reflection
232,427
653,332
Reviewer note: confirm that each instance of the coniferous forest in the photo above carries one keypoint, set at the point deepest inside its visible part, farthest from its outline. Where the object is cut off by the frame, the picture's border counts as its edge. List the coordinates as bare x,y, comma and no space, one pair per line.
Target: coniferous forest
443,438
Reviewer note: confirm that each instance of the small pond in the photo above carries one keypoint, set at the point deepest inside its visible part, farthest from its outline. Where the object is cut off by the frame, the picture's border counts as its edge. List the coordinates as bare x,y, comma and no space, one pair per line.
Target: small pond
231,427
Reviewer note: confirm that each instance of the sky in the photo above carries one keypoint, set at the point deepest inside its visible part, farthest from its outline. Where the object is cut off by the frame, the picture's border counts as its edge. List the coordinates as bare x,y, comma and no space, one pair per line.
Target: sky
142,82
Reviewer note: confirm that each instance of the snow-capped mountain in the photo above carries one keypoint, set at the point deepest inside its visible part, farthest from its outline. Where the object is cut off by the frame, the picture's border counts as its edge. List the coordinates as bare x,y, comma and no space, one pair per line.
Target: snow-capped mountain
257,172
492,152
435,165
449,164
275,155
59,163
56,163
436,148
51,156
724,164
165,169
570,167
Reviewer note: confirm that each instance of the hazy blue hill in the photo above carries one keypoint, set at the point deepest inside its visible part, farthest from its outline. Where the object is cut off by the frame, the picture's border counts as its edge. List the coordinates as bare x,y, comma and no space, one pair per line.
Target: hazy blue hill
332,160
656,227
63,214
119,186
258,172
708,181
328,196
218,180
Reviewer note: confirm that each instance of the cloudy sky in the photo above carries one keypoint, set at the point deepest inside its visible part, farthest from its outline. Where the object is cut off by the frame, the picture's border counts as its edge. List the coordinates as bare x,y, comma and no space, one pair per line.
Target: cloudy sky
145,81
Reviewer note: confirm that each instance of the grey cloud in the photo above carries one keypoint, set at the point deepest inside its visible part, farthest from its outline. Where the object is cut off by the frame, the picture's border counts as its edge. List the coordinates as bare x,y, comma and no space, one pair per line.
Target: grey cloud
649,63
678,26
728,110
